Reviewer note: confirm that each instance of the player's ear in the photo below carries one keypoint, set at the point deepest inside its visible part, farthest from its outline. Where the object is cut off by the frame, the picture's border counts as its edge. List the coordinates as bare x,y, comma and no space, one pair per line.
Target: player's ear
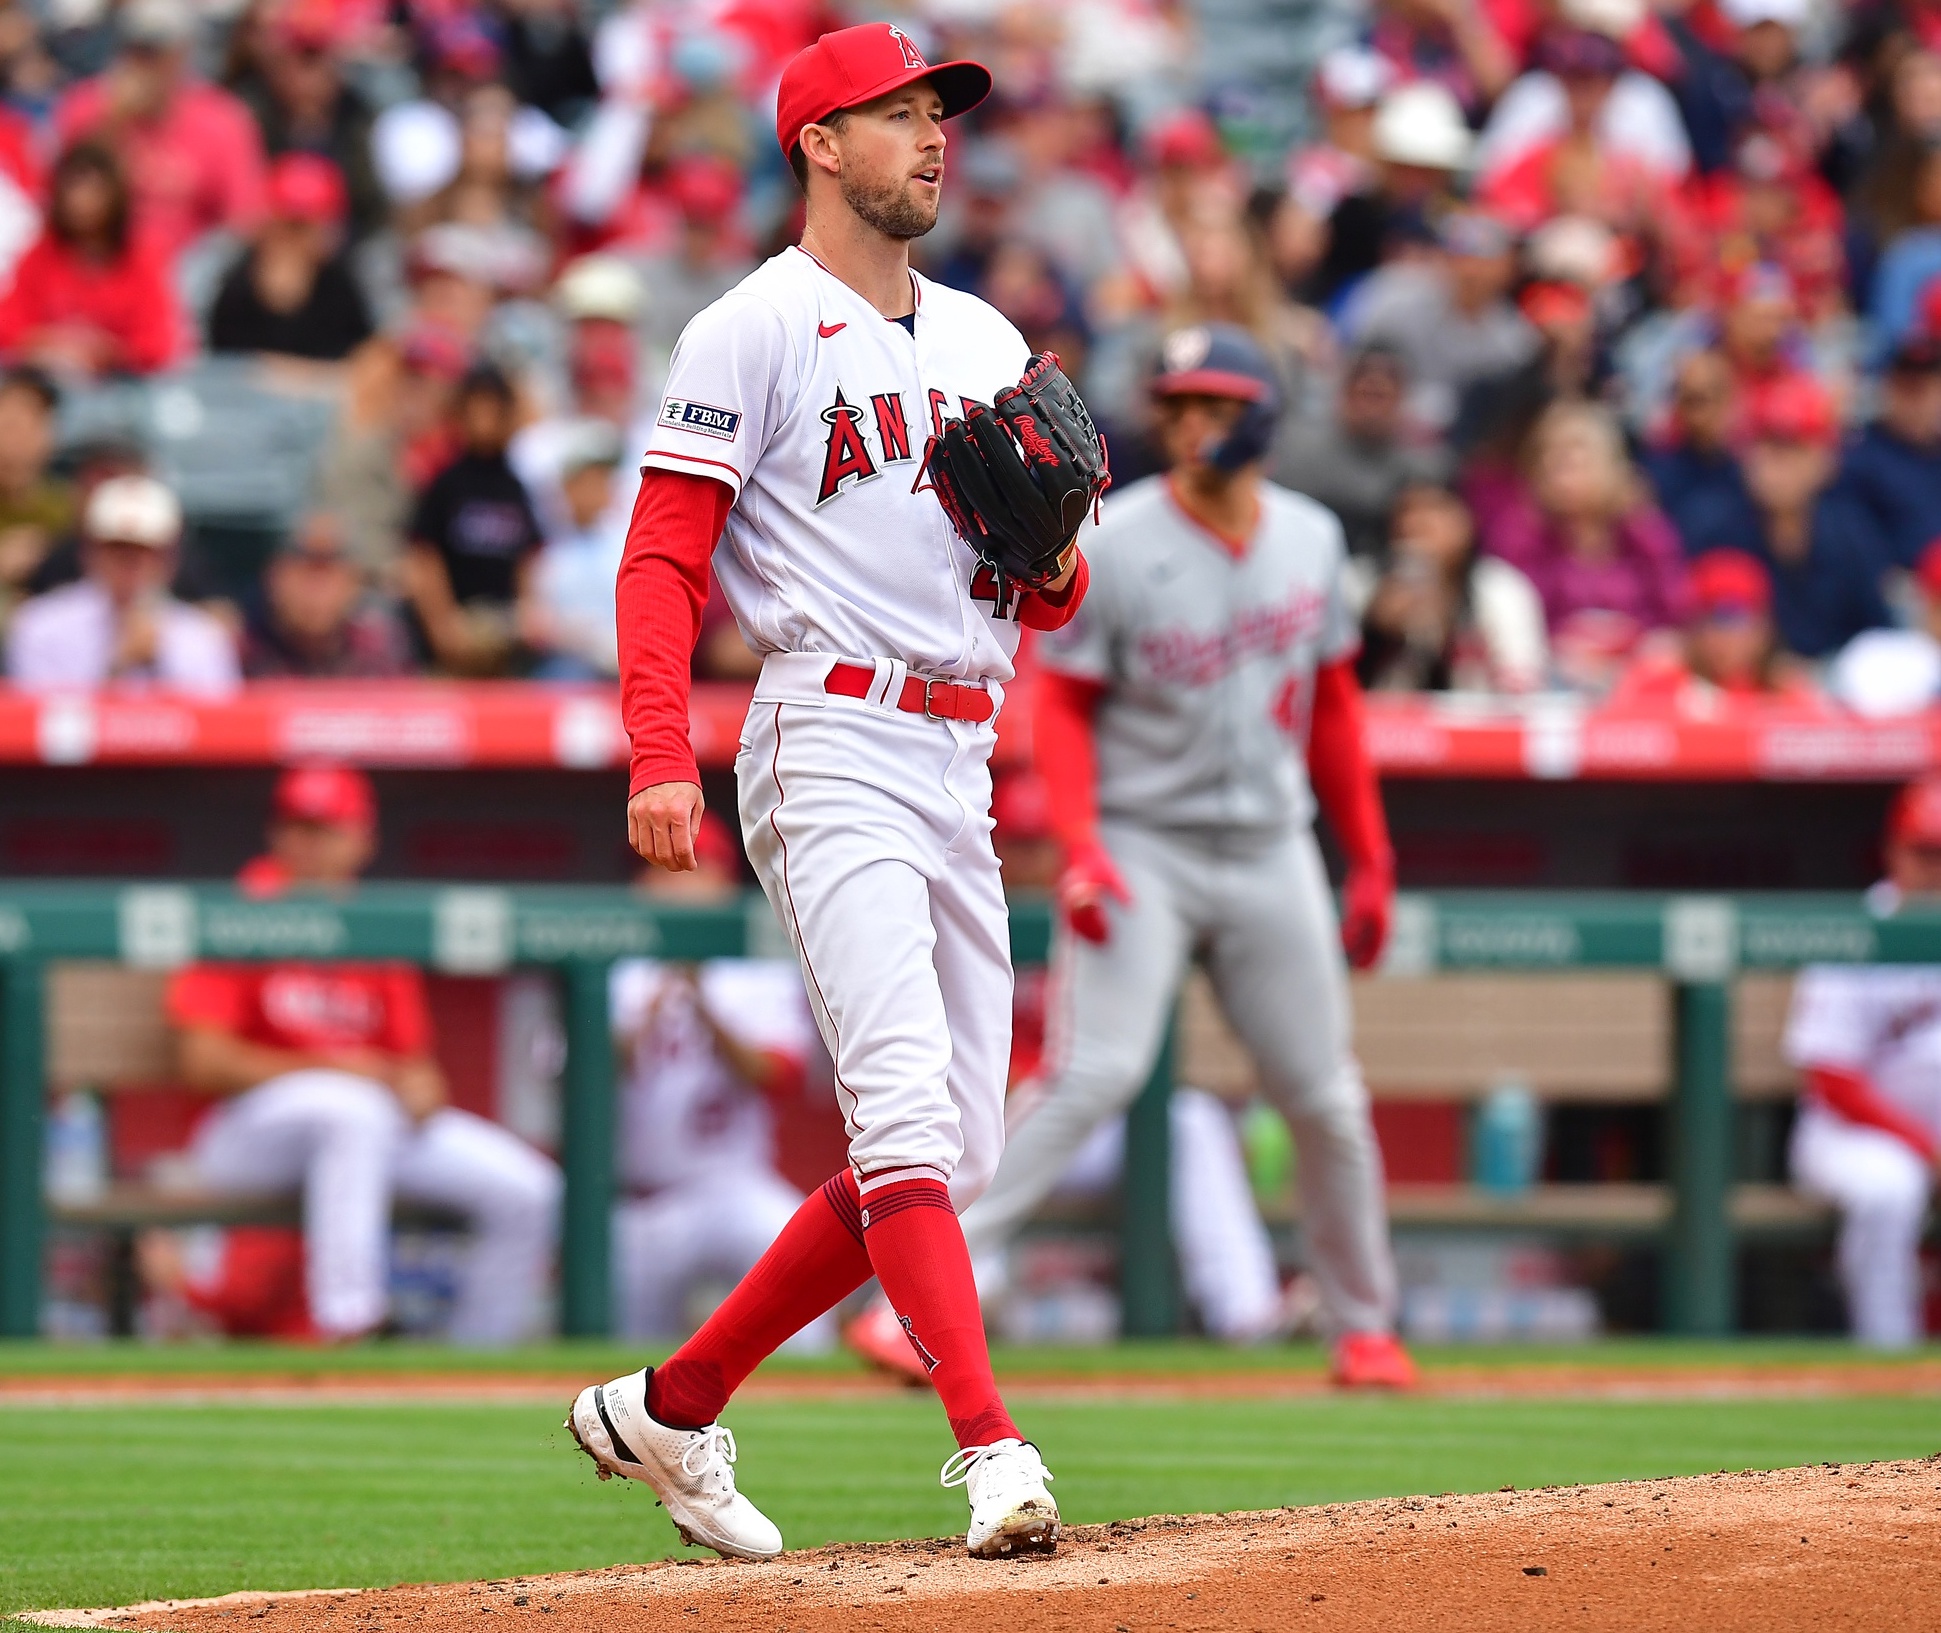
820,148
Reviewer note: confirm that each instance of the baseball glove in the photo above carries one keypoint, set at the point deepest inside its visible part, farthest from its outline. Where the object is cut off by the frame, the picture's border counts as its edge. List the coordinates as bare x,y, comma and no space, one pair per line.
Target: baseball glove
1017,478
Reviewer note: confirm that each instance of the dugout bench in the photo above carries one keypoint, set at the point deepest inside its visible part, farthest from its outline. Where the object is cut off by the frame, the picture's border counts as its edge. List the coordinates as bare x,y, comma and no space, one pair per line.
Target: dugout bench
1694,948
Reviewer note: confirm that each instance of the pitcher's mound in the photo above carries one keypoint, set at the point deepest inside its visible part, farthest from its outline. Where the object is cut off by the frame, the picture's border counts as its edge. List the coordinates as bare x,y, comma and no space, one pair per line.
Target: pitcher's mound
1854,1546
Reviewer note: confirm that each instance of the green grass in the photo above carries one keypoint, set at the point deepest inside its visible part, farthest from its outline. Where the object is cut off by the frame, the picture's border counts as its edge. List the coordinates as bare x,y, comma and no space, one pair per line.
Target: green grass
108,1503
602,1359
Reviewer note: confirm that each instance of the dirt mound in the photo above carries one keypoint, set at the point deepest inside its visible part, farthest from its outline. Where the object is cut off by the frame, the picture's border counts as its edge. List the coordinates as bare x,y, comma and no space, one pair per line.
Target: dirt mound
1824,1548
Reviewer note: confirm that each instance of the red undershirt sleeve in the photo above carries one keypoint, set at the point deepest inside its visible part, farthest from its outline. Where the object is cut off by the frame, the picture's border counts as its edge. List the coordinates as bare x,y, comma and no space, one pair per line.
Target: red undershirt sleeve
1339,767
1041,609
1061,730
1850,1095
662,588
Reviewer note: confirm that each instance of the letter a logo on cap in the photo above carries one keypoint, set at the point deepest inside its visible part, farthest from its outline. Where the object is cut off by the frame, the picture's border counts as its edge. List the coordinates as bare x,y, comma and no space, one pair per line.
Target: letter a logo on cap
912,57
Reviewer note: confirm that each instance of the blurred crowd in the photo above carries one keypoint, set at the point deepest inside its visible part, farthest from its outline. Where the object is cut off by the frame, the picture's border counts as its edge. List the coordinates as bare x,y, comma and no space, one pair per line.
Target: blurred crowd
1611,329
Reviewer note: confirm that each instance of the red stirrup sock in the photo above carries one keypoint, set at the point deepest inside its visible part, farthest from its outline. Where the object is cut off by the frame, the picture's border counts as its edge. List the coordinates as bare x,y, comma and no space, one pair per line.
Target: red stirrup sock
917,1248
816,1263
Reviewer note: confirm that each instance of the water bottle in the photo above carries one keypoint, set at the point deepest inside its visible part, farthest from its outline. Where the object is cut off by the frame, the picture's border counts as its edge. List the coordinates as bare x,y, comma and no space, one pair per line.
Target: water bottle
1506,1139
77,1149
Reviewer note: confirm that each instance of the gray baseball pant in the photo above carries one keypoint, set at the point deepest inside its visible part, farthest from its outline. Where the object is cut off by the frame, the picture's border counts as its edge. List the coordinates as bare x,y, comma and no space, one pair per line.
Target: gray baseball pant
1260,919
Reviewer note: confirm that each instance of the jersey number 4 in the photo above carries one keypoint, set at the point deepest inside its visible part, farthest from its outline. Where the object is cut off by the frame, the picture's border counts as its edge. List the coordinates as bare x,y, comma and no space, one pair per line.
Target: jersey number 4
985,587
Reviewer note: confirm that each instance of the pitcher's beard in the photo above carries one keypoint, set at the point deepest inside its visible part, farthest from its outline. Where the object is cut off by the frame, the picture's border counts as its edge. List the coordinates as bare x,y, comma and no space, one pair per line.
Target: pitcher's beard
889,208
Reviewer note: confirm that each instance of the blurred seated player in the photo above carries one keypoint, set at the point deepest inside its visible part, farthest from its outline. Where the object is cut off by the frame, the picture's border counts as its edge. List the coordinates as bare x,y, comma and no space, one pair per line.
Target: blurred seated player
328,1086
472,539
1867,1042
1187,719
118,625
250,1285
710,1050
1727,647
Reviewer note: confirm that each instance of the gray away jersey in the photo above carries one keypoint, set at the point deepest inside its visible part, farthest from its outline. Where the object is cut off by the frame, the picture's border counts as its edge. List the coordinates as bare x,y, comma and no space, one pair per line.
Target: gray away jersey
1207,660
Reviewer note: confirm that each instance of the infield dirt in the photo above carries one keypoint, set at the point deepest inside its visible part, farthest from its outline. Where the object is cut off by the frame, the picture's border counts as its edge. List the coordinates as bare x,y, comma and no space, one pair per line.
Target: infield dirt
1829,1547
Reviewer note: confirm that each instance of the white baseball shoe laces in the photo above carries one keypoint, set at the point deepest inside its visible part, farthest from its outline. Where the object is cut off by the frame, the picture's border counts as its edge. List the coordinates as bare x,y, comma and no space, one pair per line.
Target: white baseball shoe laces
1011,1512
690,1470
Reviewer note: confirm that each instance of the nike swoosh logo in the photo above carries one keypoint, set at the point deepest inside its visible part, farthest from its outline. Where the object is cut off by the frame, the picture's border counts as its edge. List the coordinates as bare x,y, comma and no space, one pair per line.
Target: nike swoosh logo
828,329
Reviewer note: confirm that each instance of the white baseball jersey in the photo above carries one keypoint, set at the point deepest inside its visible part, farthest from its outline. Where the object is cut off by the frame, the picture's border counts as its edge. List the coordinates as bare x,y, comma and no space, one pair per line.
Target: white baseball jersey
1882,1021
684,1111
1208,658
815,408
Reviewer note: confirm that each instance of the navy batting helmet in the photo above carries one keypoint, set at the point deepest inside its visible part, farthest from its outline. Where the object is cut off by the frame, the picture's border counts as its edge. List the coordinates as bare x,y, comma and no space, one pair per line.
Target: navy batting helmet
1223,360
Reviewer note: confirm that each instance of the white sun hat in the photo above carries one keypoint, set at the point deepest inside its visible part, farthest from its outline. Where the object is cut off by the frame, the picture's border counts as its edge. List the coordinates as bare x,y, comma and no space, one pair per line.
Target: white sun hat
134,510
1422,125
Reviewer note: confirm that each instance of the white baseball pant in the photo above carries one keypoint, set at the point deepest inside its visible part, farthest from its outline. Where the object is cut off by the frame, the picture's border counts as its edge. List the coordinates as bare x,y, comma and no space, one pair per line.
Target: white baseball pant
870,830
715,1224
1880,1185
348,1146
1259,916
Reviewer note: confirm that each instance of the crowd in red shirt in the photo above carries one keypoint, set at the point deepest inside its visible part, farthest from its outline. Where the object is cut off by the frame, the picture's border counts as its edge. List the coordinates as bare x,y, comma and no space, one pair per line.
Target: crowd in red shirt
1568,295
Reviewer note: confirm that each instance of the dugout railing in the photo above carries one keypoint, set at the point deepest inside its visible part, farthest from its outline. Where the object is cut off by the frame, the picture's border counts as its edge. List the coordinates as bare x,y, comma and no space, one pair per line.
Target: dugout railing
1699,944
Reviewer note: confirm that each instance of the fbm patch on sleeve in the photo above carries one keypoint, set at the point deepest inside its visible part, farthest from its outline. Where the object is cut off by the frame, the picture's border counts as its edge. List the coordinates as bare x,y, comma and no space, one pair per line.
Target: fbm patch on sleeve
703,419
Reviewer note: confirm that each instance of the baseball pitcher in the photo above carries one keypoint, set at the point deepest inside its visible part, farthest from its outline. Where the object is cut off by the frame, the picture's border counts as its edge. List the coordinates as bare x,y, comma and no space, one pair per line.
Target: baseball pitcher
895,485
1190,713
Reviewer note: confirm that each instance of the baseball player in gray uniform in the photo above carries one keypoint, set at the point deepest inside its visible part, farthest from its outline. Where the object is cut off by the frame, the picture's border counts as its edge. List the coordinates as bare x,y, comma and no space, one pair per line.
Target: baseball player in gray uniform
1188,716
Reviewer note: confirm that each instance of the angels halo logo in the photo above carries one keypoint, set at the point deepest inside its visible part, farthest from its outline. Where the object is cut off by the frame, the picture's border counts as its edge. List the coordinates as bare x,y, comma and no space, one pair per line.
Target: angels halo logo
912,57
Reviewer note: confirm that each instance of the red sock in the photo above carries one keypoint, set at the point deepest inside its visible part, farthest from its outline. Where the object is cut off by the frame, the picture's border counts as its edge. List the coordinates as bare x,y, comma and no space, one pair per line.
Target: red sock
917,1249
816,1263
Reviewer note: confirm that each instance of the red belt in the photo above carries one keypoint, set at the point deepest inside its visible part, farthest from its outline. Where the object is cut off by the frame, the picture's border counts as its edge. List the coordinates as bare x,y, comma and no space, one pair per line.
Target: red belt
934,699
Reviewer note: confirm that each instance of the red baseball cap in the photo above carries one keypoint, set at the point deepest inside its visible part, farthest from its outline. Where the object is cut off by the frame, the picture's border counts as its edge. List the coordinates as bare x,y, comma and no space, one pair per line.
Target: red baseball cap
1730,581
714,844
706,187
1794,408
434,350
603,352
1188,139
308,25
856,65
304,187
334,795
1552,302
1915,817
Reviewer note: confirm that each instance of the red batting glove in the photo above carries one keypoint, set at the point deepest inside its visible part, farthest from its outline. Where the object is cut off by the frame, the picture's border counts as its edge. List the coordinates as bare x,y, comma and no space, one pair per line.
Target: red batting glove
1090,876
1367,904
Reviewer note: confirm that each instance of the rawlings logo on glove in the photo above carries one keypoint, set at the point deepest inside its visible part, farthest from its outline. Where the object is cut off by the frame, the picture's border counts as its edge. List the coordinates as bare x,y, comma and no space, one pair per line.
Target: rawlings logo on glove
1016,479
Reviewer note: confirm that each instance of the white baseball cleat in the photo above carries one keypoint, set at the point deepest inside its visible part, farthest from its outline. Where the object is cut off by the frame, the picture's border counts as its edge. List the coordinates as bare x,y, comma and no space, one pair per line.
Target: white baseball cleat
691,1470
1011,1512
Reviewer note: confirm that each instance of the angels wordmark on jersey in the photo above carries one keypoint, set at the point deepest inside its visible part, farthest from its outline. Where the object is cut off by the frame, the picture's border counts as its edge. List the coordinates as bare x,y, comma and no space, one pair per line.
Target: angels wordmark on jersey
814,408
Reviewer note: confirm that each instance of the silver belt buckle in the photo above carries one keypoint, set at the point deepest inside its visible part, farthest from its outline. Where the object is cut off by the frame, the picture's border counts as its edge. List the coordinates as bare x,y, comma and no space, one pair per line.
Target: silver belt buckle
928,712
